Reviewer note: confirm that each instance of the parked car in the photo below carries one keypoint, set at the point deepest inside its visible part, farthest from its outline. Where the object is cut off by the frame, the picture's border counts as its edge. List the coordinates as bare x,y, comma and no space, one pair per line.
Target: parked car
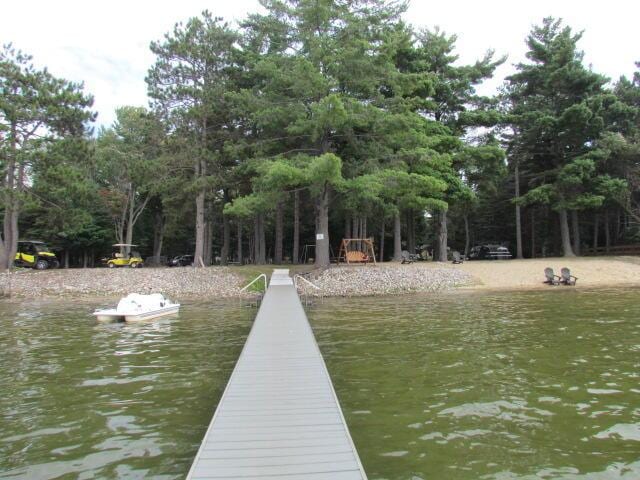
181,261
489,252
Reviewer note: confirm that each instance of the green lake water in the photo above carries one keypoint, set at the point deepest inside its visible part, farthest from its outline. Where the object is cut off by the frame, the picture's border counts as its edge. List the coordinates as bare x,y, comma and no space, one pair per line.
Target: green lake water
463,385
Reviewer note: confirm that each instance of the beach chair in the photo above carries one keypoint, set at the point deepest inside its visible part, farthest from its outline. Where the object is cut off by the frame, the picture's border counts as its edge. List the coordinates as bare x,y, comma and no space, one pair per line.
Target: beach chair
567,278
407,257
550,277
457,258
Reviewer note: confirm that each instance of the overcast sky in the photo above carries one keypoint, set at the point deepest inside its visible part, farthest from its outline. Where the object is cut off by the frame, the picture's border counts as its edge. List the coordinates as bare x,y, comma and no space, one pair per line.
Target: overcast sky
106,44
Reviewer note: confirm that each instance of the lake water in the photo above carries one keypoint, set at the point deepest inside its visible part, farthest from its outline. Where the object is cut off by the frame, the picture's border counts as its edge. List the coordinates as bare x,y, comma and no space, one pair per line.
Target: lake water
454,386
82,399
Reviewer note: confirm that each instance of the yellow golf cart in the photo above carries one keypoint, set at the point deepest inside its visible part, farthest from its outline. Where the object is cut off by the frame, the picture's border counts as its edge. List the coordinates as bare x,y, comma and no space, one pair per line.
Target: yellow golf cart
118,259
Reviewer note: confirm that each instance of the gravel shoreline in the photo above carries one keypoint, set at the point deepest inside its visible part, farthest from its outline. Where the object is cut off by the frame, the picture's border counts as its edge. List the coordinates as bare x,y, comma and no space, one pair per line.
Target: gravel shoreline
391,279
219,282
343,281
223,282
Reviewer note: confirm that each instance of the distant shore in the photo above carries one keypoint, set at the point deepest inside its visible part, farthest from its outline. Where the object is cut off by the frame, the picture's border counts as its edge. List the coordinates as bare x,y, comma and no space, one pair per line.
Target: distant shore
383,279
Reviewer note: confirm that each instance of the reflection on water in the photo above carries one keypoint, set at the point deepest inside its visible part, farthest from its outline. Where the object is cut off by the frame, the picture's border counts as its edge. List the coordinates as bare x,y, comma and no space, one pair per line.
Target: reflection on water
82,399
503,386
495,386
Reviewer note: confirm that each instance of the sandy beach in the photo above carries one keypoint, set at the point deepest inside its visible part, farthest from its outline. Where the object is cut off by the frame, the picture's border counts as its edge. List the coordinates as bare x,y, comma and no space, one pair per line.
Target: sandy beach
346,281
529,273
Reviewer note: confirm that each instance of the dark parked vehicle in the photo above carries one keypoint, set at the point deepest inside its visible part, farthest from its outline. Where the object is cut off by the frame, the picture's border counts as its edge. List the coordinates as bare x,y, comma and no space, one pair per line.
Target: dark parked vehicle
489,252
181,261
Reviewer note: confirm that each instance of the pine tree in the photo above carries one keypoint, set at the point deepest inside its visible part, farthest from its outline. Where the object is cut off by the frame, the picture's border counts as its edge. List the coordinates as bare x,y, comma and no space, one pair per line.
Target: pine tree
36,109
556,123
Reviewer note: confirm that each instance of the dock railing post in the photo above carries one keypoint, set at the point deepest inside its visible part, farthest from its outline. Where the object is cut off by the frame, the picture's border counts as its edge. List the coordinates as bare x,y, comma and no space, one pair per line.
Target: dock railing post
263,276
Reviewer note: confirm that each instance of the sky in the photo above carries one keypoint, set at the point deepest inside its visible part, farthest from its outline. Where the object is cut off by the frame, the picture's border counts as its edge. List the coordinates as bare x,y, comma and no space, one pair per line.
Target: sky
106,44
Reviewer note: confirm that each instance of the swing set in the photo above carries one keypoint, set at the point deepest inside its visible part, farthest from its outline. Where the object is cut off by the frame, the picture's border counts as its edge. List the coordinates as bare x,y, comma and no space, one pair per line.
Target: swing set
356,250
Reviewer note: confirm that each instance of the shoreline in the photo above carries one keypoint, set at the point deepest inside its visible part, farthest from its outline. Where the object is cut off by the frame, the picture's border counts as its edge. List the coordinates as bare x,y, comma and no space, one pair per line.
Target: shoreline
527,274
341,281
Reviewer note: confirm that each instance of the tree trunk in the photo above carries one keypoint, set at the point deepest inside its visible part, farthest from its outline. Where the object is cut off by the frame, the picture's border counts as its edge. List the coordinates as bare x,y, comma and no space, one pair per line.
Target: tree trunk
66,258
120,224
564,232
397,238
198,260
575,226
10,239
607,231
158,235
518,217
252,244
256,238
322,232
356,230
533,234
208,243
85,259
259,240
239,240
596,218
441,237
296,227
277,258
201,171
129,231
381,248
467,236
411,232
263,241
9,243
363,230
226,240
347,226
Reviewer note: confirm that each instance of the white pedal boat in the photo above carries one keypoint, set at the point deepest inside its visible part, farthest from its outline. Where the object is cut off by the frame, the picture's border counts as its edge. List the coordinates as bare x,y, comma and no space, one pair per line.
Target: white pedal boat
136,306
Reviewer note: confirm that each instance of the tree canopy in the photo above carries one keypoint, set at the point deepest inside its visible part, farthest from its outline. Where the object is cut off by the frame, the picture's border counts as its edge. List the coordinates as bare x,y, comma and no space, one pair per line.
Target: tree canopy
316,121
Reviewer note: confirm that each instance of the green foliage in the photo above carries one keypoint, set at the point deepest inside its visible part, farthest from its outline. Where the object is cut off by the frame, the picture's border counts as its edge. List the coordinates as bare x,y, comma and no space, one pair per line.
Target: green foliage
36,103
245,207
67,209
411,190
341,102
559,108
323,171
36,110
279,175
130,166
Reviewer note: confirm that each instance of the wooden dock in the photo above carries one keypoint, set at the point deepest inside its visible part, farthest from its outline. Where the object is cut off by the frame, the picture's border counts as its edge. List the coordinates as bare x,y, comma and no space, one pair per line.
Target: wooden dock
279,417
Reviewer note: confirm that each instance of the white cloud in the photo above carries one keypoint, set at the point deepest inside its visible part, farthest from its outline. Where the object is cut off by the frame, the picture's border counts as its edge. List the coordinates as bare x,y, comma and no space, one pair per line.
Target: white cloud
609,39
105,44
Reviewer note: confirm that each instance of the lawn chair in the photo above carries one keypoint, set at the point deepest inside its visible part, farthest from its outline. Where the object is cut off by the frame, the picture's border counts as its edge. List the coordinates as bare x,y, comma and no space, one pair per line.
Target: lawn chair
551,278
407,257
567,278
457,258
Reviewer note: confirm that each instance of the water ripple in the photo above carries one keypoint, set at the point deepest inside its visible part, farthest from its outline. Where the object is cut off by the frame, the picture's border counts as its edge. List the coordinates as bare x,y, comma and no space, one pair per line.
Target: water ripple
531,385
82,399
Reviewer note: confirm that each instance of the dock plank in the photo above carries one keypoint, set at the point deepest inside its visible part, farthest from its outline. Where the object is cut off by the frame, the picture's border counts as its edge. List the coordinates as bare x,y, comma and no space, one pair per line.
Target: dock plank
279,416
